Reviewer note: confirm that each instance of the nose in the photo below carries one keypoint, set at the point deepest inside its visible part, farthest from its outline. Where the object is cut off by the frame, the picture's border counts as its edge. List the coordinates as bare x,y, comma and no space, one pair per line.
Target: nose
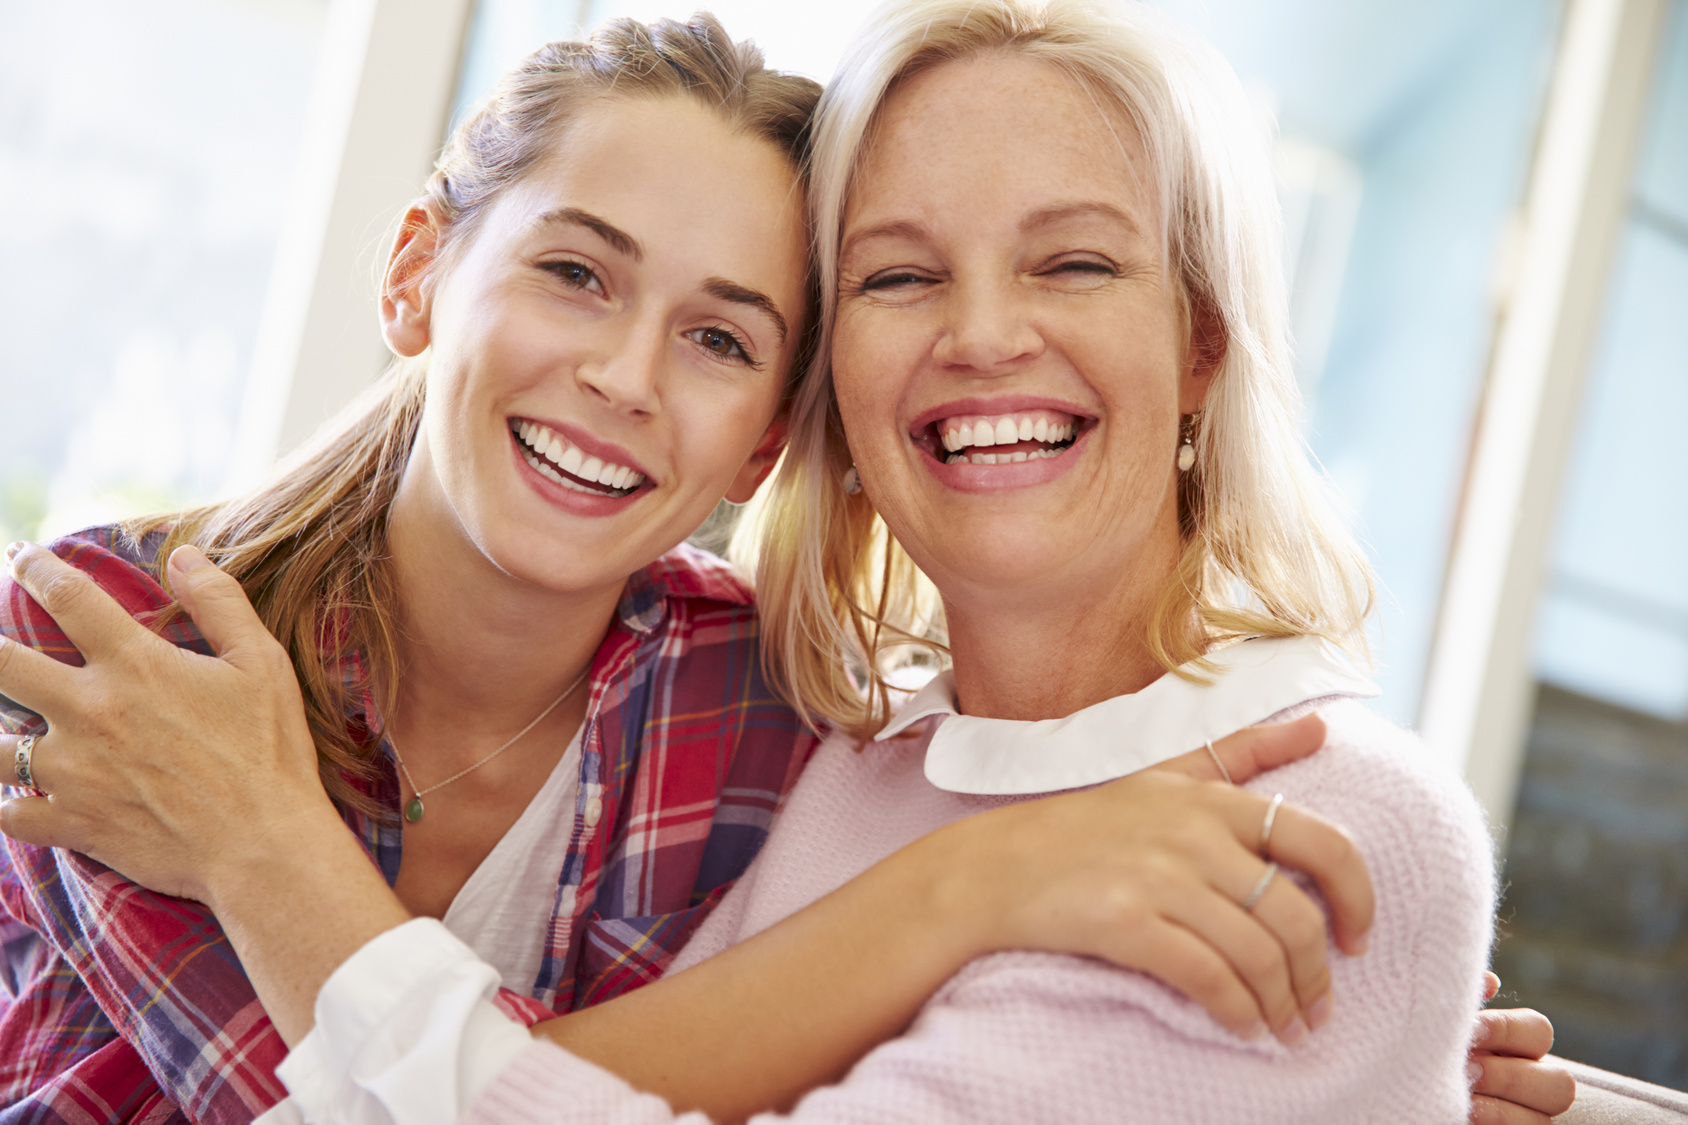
627,375
988,327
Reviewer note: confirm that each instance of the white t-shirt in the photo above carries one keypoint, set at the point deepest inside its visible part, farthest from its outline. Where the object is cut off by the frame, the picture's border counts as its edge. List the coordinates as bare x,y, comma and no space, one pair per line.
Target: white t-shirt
504,908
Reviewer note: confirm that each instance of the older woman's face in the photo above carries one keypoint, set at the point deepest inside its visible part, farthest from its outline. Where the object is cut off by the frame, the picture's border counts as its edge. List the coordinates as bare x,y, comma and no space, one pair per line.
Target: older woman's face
1010,356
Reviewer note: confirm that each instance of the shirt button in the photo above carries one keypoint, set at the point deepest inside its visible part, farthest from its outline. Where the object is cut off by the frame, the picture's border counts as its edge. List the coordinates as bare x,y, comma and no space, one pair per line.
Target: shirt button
594,812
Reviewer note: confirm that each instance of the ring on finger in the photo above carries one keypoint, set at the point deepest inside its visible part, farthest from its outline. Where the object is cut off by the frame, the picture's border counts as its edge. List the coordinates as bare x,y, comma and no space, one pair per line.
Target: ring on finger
1259,891
1271,818
21,761
1219,762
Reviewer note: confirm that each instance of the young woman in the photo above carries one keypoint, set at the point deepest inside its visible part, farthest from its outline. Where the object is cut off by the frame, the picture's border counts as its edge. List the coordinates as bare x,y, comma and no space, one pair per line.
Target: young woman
1028,551
545,723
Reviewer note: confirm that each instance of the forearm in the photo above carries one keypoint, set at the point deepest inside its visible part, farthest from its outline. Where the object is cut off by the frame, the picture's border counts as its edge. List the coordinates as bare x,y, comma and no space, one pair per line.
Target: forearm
296,909
755,1027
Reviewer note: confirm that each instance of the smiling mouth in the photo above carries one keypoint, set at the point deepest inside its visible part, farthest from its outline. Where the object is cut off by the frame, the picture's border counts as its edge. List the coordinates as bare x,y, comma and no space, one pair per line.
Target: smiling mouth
1002,439
561,462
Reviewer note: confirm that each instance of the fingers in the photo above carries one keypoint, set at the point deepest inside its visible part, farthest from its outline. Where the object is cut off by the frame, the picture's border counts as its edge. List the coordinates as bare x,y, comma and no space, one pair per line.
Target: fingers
35,680
217,605
1252,750
1491,985
1312,844
1297,925
1518,1032
93,621
1256,955
1192,966
31,820
1493,1111
1532,1087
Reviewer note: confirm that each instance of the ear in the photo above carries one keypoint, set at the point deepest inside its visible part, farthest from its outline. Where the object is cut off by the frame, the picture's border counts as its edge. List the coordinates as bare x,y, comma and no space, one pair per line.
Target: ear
762,461
1204,354
405,292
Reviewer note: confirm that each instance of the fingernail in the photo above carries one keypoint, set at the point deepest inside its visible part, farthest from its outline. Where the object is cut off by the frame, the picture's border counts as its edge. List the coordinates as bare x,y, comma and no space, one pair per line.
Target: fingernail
188,558
1319,1014
1255,1030
1482,1035
12,550
1293,1033
1474,1071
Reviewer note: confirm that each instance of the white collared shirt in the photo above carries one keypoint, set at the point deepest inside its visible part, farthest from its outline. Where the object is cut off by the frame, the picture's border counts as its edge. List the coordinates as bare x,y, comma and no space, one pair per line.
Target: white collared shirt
1249,681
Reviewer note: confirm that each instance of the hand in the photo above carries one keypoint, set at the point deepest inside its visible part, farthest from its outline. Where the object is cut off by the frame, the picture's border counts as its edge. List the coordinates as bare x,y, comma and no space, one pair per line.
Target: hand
158,762
1149,872
1511,1085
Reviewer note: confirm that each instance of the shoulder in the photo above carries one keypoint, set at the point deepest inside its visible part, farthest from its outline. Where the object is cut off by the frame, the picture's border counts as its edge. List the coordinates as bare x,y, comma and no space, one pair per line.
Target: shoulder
1383,783
688,573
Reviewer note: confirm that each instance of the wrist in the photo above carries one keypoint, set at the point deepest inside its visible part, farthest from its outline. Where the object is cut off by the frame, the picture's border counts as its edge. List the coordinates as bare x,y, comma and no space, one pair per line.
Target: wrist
956,895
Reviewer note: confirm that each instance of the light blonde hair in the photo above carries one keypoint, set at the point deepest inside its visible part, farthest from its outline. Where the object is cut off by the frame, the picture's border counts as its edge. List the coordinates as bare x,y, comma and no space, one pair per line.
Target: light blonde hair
310,545
1264,551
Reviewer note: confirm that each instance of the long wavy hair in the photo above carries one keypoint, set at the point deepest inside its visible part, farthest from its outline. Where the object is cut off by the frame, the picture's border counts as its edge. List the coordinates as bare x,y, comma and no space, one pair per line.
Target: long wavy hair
309,546
1264,552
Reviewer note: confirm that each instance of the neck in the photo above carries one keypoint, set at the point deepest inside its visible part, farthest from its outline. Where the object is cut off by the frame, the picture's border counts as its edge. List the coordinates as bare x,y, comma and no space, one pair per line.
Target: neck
1058,646
481,652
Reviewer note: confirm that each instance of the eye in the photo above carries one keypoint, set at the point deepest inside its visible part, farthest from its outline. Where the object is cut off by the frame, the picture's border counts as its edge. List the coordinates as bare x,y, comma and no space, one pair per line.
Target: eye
576,275
720,342
1080,266
894,279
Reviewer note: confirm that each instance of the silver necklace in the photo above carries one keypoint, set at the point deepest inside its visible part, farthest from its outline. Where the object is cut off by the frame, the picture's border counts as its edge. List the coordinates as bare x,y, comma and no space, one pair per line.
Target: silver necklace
414,809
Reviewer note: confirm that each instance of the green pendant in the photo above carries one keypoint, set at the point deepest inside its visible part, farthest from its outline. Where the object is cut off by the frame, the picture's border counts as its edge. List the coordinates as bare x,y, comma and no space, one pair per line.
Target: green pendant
413,811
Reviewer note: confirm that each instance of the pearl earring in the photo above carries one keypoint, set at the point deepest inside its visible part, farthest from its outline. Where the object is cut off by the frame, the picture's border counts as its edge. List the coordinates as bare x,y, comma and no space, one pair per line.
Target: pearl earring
852,481
1187,446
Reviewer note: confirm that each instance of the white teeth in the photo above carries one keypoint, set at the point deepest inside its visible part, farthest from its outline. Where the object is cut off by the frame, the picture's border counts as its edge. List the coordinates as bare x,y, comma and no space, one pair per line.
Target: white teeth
548,453
1017,455
958,435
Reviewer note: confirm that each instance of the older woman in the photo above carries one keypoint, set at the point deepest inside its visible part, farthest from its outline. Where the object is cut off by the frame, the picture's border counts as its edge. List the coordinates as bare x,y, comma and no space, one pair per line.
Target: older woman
1058,356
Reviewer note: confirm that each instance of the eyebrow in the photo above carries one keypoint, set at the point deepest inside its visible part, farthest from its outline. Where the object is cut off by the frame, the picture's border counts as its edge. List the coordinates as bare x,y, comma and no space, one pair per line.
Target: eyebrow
619,239
913,231
722,289
1052,215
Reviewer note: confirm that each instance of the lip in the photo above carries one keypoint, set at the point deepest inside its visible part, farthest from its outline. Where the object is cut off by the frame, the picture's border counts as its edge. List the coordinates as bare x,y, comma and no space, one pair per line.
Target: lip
1008,404
567,499
968,477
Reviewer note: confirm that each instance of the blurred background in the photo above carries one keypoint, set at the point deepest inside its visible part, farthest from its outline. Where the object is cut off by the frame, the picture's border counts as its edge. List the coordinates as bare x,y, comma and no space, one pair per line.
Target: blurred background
1486,225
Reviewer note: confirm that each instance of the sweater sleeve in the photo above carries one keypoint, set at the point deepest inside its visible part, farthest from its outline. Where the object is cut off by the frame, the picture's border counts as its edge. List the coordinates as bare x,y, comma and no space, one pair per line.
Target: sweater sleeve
1030,1037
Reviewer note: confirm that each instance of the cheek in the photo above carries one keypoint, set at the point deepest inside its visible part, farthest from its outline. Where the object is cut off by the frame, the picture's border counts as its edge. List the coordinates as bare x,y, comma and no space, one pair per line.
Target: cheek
871,358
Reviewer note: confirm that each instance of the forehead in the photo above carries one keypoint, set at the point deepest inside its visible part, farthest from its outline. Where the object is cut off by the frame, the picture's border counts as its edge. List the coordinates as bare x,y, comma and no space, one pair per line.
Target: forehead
674,175
999,134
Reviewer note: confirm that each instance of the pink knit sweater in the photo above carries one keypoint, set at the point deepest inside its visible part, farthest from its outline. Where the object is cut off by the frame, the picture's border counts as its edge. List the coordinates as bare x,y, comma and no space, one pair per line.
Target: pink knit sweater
1023,1037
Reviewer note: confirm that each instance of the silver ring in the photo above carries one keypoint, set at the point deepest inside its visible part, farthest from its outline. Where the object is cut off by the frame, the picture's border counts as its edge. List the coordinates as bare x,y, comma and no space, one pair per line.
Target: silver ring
21,761
1271,817
1259,890
1214,754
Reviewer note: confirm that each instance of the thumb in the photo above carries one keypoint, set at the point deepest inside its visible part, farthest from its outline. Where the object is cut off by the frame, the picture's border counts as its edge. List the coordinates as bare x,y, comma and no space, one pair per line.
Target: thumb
217,604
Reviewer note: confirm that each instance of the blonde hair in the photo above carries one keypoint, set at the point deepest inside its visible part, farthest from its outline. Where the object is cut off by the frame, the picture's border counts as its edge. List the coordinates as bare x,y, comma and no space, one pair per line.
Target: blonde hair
1264,551
310,545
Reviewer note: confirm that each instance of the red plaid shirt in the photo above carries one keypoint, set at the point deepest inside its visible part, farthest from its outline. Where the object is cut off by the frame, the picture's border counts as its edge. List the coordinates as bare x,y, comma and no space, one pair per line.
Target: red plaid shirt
130,1006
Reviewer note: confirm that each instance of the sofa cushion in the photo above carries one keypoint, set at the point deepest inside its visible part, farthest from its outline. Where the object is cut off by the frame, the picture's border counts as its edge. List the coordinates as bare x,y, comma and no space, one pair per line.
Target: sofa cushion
1604,1098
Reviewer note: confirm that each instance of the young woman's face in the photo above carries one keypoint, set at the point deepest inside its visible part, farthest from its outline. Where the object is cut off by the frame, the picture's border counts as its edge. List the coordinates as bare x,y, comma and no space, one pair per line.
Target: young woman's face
1009,355
608,347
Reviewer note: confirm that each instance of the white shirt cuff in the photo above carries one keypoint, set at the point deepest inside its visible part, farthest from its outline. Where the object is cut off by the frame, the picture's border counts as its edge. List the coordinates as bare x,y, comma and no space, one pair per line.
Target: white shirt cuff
406,1034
